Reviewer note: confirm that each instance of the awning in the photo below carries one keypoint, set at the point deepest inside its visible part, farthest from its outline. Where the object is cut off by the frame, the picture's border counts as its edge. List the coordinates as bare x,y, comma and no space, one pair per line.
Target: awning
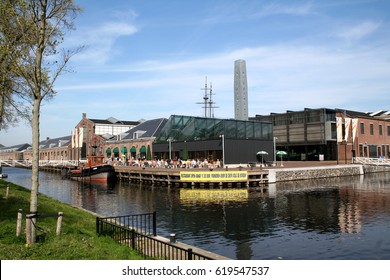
108,151
116,150
133,150
124,150
142,150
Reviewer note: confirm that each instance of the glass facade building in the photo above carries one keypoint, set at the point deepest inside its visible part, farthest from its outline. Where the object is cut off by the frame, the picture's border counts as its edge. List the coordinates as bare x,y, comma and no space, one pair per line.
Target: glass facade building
197,137
187,128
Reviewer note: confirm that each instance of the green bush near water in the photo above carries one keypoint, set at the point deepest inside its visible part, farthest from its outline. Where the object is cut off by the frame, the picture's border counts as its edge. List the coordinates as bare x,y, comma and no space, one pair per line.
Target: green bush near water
78,239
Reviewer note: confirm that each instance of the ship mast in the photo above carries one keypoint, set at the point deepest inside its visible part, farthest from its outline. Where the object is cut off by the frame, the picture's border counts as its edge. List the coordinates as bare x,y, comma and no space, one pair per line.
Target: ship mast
208,103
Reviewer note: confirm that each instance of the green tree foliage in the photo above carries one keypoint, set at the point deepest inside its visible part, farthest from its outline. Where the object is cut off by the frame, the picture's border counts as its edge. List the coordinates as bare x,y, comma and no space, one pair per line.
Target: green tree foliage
12,45
148,153
31,39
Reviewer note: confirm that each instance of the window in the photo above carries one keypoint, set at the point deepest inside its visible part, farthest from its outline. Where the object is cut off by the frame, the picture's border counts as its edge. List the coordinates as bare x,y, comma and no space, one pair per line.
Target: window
361,128
388,130
361,150
371,129
380,130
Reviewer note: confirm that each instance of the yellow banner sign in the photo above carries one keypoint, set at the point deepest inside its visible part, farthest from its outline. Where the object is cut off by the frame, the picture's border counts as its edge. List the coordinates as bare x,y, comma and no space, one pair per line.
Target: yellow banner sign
212,195
213,176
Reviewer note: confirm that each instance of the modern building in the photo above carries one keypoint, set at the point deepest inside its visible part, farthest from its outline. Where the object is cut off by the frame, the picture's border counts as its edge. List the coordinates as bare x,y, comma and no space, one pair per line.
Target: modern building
240,91
329,134
228,140
111,126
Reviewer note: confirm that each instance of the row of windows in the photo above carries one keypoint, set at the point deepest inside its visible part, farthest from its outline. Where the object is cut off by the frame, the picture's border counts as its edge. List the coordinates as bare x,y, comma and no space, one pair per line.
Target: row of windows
110,129
372,129
296,118
185,128
374,151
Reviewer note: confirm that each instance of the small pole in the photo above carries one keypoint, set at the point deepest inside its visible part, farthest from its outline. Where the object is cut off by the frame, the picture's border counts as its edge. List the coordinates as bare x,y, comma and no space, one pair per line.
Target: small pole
19,222
154,223
29,239
7,192
133,239
59,223
97,226
189,254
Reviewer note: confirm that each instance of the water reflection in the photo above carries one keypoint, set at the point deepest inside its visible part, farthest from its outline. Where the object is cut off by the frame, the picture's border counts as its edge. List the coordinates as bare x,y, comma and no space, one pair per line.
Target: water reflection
338,218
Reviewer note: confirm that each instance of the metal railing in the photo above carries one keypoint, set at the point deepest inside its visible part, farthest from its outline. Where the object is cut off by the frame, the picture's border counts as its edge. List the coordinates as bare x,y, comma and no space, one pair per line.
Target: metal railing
372,161
142,223
28,163
122,229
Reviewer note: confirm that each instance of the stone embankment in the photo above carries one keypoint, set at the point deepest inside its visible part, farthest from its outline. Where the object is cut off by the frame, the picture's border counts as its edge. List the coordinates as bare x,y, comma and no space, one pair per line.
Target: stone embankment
299,173
294,173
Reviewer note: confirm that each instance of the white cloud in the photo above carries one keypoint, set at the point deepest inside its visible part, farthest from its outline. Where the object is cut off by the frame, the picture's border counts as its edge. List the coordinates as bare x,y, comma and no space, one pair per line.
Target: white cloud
359,31
277,8
279,78
100,40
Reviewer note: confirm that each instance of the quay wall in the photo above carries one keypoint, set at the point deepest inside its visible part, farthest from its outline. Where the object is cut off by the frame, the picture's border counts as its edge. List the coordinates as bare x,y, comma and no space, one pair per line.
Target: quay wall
294,174
372,168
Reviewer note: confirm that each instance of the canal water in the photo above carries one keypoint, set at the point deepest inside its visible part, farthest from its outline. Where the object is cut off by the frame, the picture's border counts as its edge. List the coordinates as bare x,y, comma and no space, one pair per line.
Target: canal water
340,218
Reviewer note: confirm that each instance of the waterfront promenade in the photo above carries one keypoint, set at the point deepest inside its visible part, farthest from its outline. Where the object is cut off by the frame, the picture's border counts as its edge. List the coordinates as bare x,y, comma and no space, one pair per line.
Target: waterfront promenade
234,175
246,176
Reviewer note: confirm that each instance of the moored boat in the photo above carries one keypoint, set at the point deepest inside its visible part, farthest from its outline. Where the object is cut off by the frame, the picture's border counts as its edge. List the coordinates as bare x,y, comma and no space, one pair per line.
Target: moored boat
94,170
2,175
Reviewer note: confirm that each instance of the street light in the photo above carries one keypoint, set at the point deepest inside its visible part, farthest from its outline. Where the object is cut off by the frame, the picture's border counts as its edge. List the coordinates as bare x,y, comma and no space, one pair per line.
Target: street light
275,138
170,147
223,149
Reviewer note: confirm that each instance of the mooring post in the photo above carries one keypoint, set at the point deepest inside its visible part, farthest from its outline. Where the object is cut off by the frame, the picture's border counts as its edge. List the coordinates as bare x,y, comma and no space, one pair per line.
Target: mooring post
19,222
7,192
59,223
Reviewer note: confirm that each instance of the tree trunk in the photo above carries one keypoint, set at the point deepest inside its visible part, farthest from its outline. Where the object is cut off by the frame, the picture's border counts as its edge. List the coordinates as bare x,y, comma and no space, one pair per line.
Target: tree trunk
36,116
35,165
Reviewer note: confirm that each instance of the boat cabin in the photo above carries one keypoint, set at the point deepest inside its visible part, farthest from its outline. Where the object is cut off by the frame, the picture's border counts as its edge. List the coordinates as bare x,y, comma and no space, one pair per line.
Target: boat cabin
95,160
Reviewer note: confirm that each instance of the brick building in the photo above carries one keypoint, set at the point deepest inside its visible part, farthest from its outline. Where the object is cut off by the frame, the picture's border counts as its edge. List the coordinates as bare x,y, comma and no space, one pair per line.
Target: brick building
89,135
368,134
13,152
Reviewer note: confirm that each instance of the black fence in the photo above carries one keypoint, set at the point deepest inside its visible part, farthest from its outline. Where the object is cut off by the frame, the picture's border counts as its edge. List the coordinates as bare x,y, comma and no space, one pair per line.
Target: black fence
144,239
142,223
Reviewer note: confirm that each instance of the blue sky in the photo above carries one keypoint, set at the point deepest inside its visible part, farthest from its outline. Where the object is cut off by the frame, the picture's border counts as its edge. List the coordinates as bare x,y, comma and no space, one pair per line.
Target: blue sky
149,59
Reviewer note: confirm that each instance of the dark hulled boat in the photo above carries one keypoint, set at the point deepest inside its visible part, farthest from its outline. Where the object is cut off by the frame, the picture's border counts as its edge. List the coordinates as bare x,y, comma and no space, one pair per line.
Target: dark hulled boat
95,170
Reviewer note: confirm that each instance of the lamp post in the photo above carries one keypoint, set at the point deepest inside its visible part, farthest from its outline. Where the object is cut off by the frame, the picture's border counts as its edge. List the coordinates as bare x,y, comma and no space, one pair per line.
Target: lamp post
275,138
170,147
223,149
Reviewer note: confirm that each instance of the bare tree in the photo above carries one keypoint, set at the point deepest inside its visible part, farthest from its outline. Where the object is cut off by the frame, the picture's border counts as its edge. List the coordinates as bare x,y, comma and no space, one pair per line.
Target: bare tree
40,61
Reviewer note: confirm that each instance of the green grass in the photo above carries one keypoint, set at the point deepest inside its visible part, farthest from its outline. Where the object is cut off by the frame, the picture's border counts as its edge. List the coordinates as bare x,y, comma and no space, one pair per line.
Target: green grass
78,239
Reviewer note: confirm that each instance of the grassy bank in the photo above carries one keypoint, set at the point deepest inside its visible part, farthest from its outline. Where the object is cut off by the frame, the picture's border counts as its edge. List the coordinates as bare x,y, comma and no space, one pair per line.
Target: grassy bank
78,239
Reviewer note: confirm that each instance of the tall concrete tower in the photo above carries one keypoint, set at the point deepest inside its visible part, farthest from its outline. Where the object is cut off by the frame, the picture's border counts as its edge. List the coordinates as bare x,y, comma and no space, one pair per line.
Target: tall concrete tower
240,91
